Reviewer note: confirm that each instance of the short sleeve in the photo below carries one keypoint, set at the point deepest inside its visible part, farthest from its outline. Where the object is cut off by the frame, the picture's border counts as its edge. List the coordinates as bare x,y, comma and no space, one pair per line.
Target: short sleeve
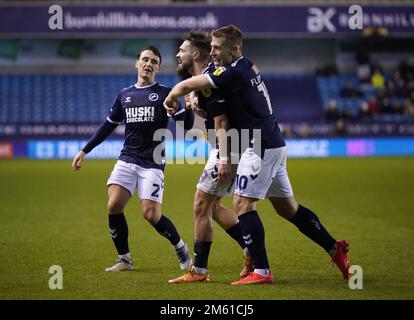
221,78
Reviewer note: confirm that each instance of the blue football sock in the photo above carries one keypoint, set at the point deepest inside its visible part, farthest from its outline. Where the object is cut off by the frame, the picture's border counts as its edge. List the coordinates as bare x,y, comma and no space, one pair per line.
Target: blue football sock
309,224
236,233
201,253
167,229
254,237
118,229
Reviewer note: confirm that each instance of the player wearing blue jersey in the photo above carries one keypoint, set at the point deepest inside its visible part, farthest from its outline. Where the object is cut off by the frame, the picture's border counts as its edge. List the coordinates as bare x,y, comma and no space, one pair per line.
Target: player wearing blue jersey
193,59
138,167
261,172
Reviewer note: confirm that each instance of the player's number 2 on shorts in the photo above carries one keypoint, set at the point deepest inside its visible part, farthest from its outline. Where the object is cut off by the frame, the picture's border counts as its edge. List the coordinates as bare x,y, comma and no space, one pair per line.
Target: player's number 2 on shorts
157,188
262,88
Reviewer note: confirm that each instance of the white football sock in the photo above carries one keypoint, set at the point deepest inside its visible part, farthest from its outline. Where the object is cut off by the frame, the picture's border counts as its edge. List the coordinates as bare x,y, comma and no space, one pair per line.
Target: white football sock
180,244
126,256
200,270
262,272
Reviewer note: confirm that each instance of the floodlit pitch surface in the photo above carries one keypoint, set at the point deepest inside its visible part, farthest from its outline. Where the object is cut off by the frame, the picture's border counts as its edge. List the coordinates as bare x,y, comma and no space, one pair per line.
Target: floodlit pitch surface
52,216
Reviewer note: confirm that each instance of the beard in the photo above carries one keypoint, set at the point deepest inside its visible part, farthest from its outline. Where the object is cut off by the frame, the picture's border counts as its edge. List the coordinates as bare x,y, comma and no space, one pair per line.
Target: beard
183,72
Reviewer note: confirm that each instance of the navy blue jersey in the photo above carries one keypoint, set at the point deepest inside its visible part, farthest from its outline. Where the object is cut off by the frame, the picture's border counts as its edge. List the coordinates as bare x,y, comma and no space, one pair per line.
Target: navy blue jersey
212,101
142,111
248,100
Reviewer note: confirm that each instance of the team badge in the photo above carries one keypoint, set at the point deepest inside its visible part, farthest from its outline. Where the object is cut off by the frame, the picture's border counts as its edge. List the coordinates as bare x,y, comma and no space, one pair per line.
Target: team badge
219,71
153,97
206,92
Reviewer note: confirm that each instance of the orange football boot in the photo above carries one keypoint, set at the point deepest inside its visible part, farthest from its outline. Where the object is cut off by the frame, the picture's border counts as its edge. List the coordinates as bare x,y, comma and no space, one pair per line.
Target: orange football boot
255,278
191,276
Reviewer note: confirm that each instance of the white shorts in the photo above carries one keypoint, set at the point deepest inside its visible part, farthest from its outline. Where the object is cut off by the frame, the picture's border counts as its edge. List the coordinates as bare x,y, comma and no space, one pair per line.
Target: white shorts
148,181
209,181
263,178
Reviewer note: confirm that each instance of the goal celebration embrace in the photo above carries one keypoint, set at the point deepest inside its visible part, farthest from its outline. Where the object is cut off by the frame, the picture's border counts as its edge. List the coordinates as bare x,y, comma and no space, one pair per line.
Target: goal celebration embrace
207,157
229,92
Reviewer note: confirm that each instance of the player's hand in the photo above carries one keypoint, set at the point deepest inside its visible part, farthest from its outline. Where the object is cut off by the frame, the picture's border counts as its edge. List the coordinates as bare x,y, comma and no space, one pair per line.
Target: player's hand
193,96
171,105
77,161
193,101
188,101
224,171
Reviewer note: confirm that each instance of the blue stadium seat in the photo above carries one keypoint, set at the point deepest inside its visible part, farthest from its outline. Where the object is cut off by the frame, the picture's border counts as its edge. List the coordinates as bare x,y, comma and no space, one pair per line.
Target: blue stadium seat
62,98
88,98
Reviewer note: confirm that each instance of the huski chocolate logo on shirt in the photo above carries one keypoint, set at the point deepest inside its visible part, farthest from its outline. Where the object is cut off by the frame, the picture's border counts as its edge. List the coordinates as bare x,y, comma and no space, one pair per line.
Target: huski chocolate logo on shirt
139,114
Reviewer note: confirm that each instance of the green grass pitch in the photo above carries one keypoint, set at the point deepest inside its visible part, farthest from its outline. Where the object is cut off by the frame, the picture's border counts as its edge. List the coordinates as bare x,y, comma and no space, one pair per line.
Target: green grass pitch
51,216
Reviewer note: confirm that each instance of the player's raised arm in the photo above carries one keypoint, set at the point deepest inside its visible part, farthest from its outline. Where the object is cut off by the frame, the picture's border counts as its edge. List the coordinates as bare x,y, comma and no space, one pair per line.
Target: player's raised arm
182,88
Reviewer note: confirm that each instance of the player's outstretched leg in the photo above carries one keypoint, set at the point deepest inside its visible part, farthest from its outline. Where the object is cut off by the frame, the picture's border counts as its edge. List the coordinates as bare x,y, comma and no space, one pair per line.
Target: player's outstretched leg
309,224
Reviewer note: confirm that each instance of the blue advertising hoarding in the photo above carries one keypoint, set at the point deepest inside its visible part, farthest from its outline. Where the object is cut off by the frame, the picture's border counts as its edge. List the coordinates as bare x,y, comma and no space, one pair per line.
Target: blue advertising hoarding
180,150
89,20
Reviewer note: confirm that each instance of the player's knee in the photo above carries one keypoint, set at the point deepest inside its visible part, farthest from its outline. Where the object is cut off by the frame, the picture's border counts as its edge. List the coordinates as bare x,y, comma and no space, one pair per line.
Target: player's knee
204,220
242,205
115,207
150,214
287,213
285,207
201,204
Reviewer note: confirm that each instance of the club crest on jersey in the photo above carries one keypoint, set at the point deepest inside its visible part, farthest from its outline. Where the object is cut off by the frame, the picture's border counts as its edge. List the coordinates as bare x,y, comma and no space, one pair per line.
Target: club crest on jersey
153,96
219,71
206,92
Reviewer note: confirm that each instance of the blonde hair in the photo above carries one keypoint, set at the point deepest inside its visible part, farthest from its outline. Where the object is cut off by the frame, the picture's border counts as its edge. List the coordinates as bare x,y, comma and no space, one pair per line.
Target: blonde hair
231,33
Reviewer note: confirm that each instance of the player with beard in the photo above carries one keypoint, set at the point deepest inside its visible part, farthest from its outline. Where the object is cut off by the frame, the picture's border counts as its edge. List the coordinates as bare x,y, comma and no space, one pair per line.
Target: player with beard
193,59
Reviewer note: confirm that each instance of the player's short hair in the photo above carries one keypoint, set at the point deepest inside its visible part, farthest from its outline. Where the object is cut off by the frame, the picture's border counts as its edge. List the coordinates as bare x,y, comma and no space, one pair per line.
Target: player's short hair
154,51
199,40
231,33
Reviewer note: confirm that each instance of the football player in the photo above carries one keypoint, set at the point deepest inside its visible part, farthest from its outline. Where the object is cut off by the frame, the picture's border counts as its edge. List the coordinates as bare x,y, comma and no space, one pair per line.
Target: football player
193,59
140,108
